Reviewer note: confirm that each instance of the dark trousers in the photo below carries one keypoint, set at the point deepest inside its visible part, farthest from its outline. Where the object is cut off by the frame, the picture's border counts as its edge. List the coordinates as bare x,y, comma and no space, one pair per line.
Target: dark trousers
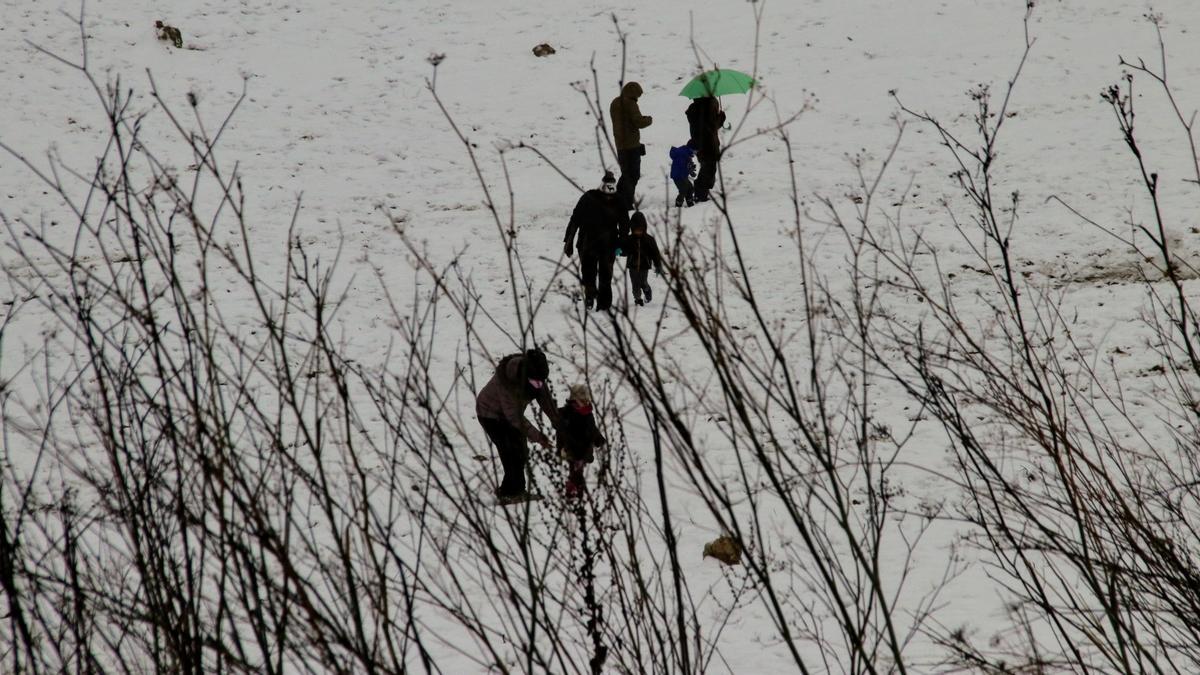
706,178
638,279
597,279
630,162
686,191
510,445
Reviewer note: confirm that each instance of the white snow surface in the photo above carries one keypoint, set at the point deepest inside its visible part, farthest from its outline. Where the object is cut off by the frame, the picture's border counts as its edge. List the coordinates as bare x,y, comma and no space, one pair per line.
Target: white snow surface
337,110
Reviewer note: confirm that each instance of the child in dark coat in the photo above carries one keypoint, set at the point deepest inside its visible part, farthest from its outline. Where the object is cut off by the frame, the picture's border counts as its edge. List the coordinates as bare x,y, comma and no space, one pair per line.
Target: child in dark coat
578,436
683,168
641,253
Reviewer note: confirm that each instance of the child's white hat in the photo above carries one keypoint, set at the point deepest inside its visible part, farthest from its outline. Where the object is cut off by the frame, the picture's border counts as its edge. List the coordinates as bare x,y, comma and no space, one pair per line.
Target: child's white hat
580,393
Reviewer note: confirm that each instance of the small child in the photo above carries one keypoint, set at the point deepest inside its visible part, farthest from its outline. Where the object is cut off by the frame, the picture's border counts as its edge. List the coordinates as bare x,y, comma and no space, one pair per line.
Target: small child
578,436
641,253
683,168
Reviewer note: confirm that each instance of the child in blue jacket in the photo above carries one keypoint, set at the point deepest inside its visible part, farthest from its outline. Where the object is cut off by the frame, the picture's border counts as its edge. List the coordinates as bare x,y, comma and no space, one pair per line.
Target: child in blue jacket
683,167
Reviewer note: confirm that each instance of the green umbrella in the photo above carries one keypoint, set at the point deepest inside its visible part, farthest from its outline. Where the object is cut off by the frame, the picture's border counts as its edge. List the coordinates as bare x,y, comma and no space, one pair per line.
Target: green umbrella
718,82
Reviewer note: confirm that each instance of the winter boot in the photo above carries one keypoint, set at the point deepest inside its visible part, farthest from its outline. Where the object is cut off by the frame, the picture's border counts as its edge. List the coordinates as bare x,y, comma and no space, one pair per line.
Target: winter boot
520,498
575,485
573,489
649,295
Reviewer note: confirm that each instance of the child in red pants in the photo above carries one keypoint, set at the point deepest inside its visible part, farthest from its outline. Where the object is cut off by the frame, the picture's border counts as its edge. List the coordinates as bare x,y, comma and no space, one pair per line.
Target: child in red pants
578,436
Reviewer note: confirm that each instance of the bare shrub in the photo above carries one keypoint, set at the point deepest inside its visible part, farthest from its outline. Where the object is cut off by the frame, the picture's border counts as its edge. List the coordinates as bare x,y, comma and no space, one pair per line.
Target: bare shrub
1082,509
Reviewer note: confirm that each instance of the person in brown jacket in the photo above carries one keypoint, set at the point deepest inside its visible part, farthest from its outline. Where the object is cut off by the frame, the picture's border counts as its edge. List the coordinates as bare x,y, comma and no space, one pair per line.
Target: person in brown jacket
628,122
500,407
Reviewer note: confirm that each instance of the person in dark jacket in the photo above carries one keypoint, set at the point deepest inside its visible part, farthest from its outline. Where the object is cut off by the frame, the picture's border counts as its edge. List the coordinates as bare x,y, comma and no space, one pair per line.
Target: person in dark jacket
641,253
705,118
578,436
628,122
683,168
500,407
596,224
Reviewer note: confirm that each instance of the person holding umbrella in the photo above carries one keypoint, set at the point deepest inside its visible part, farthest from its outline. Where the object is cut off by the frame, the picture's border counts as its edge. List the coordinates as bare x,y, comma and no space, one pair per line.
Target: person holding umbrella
705,118
628,122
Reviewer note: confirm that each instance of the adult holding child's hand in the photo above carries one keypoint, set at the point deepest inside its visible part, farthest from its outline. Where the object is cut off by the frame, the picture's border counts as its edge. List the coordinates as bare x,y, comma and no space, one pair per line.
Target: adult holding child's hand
596,224
500,407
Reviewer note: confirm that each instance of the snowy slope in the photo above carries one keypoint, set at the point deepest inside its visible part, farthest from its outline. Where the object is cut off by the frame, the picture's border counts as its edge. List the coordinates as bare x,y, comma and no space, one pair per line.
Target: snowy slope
337,110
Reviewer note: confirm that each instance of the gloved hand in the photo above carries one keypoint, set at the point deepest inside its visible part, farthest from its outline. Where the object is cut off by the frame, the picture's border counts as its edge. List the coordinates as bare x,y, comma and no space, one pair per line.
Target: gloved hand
618,250
567,249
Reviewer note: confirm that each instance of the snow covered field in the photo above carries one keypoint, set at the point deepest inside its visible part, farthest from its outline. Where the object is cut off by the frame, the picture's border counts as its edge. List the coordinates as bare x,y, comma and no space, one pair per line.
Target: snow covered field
338,118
